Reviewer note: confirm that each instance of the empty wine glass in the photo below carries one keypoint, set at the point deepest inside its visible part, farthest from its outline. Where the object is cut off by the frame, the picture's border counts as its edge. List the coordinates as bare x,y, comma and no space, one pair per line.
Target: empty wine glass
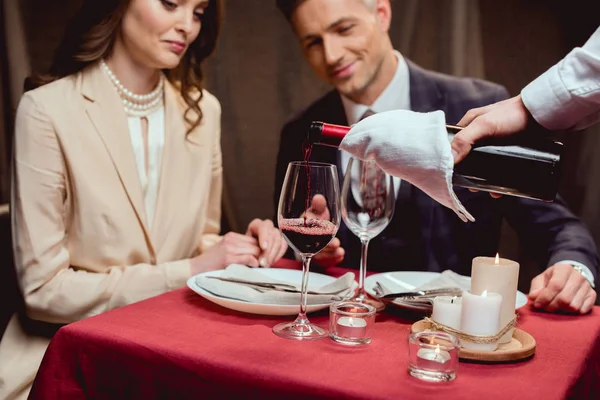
368,200
309,217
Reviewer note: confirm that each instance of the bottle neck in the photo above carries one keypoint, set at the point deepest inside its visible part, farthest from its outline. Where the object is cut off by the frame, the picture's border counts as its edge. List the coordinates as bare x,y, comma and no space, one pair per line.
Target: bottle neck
327,134
332,135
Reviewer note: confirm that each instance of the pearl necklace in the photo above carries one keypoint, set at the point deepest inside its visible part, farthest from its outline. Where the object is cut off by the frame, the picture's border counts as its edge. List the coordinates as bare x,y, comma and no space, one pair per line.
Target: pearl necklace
137,105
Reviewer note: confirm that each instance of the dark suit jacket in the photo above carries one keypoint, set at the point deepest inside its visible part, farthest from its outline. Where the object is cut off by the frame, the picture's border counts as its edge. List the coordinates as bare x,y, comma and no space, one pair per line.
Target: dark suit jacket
424,235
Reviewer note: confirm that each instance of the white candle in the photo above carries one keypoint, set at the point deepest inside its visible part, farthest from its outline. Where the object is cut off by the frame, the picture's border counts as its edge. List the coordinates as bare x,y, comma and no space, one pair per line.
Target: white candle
351,327
480,315
435,355
500,276
446,310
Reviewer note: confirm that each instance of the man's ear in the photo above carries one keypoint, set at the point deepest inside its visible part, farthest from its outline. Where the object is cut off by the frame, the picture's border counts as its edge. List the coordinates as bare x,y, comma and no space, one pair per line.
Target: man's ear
383,10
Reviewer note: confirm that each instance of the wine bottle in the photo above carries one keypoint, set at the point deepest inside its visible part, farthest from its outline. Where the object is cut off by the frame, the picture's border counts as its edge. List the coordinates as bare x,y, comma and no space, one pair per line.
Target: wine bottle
522,165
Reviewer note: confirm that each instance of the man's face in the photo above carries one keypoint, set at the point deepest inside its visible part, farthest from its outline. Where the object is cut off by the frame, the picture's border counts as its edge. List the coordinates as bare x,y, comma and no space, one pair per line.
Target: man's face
344,41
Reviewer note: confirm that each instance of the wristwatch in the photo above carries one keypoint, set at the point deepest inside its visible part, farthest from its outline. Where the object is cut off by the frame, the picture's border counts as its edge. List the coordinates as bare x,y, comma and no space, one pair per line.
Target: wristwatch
579,269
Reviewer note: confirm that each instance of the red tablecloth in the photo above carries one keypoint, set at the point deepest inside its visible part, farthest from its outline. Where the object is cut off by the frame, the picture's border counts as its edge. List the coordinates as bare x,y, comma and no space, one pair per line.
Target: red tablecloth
179,345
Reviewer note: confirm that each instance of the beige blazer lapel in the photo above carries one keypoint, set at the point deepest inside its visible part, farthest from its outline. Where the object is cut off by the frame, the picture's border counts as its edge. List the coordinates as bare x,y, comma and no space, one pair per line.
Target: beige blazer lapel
176,166
105,109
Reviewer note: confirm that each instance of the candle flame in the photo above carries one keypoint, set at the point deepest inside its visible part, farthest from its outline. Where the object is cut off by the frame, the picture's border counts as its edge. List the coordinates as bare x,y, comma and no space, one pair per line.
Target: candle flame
437,349
497,262
484,294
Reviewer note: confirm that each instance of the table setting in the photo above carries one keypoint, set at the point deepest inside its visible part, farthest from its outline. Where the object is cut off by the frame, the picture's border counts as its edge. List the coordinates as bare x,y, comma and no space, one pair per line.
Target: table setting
229,333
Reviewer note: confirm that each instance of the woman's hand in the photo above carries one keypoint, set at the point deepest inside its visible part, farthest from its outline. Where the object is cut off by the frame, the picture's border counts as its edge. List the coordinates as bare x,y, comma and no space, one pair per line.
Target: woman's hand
234,248
270,240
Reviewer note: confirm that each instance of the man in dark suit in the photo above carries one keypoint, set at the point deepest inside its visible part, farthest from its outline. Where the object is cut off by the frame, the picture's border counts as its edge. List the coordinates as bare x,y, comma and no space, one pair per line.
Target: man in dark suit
347,44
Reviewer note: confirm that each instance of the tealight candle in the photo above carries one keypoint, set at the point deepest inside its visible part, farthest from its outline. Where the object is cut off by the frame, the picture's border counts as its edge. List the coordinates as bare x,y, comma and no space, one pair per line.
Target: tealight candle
350,322
446,310
480,315
432,356
351,327
500,276
436,355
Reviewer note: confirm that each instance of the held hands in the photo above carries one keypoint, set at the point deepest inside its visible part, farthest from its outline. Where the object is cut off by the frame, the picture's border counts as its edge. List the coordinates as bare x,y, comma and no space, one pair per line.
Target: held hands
562,288
261,246
269,239
495,120
333,253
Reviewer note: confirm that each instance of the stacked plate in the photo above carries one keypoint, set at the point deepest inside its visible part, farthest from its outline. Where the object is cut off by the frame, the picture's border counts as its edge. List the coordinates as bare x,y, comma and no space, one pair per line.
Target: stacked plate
285,275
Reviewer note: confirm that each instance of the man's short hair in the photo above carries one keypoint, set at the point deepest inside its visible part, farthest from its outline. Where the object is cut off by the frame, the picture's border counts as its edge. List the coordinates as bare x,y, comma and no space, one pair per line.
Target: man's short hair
287,7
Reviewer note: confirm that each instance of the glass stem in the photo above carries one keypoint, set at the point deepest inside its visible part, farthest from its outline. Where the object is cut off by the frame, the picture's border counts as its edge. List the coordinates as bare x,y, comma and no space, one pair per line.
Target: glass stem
364,249
305,267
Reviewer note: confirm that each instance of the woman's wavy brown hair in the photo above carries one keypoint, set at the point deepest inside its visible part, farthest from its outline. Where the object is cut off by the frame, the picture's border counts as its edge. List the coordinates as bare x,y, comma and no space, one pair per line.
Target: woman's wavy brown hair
91,34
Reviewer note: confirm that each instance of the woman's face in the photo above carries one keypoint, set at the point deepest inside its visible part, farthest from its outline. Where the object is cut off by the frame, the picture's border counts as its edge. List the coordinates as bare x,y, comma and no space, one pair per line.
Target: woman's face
157,33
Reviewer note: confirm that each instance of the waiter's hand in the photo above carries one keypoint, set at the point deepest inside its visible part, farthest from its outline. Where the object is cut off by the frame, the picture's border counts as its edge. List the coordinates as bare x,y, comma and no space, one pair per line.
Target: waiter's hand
504,118
562,288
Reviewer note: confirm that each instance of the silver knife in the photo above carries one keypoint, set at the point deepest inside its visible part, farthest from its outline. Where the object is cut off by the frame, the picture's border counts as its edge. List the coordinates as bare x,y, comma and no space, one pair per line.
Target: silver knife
414,295
282,287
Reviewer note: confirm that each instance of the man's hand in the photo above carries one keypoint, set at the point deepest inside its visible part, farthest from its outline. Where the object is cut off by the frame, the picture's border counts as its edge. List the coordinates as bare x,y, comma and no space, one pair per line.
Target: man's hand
318,208
333,254
495,120
562,288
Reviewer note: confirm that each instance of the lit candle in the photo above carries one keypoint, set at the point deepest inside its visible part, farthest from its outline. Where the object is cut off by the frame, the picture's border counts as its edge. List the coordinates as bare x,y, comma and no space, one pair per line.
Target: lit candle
500,276
480,315
351,327
446,310
433,355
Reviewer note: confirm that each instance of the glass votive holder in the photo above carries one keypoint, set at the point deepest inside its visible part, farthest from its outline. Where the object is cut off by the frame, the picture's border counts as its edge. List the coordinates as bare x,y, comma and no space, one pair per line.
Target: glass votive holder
350,322
433,356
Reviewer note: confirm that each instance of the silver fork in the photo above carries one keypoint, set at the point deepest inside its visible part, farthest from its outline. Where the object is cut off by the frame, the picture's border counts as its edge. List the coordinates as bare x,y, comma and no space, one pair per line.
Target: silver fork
382,293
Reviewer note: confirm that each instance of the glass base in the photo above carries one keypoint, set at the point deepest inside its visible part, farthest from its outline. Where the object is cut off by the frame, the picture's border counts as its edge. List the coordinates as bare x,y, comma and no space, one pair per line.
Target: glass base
431,376
300,331
350,341
366,298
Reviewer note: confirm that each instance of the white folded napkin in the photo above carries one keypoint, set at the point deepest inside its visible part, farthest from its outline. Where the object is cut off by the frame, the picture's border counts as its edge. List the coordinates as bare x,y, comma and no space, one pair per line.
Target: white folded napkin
447,279
412,146
343,287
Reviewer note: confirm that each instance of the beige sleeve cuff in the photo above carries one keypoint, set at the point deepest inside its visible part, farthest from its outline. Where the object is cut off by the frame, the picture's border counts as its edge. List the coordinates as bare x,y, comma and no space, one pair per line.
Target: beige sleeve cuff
177,273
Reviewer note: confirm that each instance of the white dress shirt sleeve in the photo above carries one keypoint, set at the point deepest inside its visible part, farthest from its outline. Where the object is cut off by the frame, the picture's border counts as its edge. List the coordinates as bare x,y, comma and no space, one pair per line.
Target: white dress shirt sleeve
567,96
585,271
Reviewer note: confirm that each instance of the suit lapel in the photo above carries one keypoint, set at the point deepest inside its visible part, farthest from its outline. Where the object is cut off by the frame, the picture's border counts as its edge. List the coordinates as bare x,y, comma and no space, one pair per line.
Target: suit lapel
332,113
105,110
425,96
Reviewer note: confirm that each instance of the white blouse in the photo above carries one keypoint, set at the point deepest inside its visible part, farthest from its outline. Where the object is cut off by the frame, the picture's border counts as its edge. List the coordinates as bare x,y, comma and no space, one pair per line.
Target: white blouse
156,142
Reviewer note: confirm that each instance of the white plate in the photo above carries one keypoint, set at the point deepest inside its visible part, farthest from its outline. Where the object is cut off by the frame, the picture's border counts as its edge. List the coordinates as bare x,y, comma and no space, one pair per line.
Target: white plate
404,281
287,275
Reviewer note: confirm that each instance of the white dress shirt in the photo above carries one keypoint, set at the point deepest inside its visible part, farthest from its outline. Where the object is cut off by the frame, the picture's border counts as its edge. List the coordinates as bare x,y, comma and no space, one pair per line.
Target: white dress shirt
396,96
567,96
156,142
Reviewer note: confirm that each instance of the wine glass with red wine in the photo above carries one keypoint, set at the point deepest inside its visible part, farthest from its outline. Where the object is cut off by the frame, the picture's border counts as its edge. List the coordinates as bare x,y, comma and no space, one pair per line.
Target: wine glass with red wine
309,217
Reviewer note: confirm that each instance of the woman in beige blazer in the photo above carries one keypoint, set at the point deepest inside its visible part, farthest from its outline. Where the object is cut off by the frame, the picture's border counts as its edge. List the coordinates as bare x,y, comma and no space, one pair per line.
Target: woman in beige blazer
117,174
